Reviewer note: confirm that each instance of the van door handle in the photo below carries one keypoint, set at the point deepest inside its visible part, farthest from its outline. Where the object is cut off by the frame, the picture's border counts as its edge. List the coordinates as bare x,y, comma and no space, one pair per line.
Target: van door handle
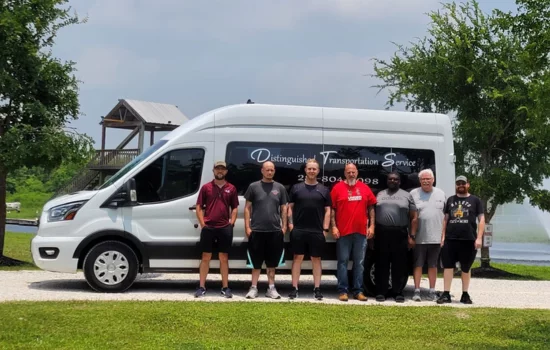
193,207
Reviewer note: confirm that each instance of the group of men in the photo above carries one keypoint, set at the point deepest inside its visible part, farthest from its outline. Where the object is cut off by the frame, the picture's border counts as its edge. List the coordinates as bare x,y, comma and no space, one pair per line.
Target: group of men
437,228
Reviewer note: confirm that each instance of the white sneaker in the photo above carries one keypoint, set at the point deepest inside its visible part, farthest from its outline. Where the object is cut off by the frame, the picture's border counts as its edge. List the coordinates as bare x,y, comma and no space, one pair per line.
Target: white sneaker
252,293
272,293
416,296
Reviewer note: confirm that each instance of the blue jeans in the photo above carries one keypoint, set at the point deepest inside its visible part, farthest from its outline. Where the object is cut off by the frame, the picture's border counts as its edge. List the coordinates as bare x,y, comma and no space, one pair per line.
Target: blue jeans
355,245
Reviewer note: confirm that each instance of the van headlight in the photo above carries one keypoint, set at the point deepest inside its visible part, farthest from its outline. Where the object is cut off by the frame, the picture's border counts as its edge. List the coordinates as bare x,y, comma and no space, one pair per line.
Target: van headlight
64,212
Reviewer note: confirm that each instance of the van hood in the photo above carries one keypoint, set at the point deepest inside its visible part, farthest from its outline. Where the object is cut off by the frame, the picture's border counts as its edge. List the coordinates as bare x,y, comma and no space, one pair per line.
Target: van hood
69,198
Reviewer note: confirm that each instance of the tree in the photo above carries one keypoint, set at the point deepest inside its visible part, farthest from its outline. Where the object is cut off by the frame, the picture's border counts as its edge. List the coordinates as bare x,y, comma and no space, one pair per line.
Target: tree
38,93
491,72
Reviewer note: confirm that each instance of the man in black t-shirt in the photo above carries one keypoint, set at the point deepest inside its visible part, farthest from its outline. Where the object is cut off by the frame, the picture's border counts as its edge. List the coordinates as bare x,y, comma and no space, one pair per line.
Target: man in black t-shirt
309,220
461,237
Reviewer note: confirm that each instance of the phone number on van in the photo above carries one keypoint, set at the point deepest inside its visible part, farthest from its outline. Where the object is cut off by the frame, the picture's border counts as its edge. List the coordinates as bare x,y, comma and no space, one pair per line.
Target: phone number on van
331,179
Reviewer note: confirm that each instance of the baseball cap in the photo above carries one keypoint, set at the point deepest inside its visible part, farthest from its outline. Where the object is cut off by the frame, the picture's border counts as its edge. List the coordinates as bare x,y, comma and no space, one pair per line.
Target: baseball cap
461,178
220,163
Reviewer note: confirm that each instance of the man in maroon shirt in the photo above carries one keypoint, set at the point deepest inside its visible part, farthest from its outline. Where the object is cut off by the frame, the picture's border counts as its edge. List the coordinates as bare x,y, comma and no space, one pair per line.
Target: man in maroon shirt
216,211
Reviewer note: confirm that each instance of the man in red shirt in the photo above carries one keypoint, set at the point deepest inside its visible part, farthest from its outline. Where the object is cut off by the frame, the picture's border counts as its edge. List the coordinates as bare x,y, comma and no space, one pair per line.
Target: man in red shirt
352,201
216,211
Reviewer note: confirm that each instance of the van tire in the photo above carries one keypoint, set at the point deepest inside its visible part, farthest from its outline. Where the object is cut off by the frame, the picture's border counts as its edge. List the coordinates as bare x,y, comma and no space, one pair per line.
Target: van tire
108,281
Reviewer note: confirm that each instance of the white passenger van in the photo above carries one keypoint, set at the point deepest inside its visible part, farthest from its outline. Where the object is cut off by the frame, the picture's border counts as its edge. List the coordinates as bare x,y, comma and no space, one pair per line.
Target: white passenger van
143,218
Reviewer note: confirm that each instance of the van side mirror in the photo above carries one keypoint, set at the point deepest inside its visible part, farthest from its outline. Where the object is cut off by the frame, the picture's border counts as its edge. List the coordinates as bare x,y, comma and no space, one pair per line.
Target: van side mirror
130,189
125,196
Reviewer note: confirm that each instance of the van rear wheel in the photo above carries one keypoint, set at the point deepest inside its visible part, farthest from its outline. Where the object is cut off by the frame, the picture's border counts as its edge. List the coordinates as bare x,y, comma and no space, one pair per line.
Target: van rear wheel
110,267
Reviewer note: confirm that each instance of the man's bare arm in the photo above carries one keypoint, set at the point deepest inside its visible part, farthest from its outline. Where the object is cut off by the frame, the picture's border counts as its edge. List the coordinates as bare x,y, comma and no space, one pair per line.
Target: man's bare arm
284,217
327,218
200,215
247,208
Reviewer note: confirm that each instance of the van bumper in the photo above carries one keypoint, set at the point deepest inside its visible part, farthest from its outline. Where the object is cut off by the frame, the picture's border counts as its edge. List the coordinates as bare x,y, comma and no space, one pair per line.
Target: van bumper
55,253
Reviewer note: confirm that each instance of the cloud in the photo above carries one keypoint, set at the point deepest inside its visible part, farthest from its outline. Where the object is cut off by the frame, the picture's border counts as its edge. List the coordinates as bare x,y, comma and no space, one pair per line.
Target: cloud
113,67
224,18
339,80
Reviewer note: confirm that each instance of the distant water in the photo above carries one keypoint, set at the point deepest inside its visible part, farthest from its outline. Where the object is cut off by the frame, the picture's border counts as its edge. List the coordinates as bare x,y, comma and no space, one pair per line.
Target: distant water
23,229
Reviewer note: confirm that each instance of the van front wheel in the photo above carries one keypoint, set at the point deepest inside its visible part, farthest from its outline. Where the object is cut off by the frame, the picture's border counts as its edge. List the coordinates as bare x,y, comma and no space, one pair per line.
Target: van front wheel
110,267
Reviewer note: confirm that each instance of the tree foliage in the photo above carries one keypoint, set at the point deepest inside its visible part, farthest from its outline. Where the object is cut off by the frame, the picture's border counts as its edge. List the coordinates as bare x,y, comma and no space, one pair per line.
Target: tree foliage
491,73
38,92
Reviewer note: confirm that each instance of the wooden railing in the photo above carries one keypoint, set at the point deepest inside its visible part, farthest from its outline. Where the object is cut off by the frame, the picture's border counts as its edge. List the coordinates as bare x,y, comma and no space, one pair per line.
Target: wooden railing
112,158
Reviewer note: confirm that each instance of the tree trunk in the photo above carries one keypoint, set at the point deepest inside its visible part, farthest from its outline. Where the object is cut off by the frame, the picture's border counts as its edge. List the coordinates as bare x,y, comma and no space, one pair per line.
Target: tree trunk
3,176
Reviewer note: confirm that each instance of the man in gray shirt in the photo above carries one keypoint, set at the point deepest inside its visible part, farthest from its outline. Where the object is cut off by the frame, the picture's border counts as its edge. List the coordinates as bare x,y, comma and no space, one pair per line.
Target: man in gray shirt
430,202
265,216
396,221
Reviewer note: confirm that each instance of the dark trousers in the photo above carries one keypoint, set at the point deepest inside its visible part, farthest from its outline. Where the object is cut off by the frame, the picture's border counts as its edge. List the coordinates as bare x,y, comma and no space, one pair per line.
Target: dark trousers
391,245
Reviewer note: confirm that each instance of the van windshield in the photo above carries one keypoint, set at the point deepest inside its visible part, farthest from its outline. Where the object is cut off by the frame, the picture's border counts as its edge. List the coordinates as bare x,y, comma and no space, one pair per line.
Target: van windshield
133,163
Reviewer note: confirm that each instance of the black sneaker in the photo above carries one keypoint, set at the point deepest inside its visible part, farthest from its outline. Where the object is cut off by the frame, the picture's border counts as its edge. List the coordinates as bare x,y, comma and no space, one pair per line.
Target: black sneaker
293,294
317,293
200,292
380,298
399,298
226,292
445,298
465,299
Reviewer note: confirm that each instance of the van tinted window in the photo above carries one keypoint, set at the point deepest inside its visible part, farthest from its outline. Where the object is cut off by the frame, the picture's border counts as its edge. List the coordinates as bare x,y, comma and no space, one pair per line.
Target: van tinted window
174,175
244,161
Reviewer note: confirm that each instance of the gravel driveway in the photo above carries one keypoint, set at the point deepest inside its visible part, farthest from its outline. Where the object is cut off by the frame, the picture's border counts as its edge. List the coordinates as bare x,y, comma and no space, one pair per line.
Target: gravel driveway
41,285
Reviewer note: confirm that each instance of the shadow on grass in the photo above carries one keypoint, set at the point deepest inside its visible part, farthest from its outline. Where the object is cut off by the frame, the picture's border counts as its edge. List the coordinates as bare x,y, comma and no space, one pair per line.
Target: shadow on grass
10,262
494,273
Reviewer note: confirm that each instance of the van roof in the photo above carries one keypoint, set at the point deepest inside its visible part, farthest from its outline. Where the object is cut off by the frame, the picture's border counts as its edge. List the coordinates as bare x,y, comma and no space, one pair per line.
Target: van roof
308,117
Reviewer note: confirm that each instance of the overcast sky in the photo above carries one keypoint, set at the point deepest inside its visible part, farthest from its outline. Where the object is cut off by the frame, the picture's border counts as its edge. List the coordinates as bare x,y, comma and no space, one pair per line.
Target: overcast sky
200,55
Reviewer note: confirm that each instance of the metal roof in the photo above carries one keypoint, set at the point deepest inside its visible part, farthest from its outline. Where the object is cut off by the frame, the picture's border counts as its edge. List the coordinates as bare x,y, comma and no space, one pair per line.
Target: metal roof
153,112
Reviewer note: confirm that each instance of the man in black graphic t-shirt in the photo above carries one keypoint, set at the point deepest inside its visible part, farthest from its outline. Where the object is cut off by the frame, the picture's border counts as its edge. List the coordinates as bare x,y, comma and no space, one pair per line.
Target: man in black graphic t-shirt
309,219
461,237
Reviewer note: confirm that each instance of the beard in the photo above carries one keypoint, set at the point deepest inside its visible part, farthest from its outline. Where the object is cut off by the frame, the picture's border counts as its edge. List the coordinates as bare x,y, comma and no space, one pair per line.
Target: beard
352,182
220,176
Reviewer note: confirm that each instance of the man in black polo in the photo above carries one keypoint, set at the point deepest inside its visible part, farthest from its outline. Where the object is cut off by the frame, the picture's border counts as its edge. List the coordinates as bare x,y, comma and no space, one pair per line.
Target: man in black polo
308,222
461,237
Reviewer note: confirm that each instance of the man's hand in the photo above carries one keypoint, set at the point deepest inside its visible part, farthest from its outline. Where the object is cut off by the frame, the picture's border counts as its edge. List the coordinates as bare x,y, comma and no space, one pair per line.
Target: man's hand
412,243
335,232
290,227
248,231
283,230
370,232
478,243
442,242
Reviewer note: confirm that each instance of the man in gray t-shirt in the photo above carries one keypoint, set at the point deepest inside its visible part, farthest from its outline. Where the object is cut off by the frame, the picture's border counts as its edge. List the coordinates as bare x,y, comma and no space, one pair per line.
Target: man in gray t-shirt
394,233
265,216
430,202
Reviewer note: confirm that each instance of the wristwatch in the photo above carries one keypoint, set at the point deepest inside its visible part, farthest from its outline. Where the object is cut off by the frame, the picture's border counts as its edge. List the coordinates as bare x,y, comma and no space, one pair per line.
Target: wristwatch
412,236
325,230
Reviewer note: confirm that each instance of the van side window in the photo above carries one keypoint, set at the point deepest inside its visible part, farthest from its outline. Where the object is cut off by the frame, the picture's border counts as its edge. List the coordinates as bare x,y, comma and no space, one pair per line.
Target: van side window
244,161
174,175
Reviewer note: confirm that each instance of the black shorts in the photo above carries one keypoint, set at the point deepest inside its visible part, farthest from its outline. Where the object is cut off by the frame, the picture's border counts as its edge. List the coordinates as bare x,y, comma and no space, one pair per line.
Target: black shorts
456,250
266,247
305,241
222,238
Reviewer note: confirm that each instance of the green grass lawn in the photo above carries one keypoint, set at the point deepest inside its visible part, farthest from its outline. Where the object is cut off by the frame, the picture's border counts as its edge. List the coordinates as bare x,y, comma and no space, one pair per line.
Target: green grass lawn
201,325
18,246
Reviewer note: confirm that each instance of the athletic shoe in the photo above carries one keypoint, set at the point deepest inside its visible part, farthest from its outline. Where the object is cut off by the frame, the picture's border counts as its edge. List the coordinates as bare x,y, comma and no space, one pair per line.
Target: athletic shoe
416,296
432,295
343,297
226,292
317,294
399,298
293,294
252,293
272,293
445,298
360,296
200,292
380,298
465,299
